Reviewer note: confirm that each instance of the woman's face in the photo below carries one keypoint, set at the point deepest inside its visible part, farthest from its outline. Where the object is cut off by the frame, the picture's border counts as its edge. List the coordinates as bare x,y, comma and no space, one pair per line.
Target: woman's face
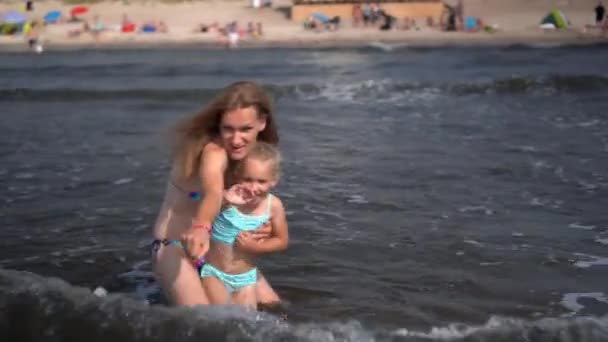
239,131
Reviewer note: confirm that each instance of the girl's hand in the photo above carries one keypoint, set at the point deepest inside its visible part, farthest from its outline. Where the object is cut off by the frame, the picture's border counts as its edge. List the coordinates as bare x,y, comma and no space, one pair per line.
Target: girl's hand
238,194
246,242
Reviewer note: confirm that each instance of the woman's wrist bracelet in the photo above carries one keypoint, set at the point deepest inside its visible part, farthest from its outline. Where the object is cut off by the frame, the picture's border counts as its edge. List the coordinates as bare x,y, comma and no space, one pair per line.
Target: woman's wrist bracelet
198,262
206,227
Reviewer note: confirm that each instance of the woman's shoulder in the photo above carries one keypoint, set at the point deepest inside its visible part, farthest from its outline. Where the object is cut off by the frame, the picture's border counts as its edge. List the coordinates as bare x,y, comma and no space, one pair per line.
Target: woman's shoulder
213,146
214,153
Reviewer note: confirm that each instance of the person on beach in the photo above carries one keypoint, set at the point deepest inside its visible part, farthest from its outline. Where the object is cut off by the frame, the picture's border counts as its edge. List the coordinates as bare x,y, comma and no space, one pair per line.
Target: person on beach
207,150
229,272
600,11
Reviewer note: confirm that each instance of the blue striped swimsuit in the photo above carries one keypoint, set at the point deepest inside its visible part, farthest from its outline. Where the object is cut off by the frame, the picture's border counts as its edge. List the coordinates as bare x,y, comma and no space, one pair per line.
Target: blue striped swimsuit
230,222
226,227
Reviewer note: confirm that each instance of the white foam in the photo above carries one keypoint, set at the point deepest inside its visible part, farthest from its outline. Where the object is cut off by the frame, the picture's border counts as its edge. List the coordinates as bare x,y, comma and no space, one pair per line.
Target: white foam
381,46
123,181
358,199
476,208
473,242
458,330
379,90
503,326
593,260
495,263
132,161
100,292
570,300
523,148
589,123
541,164
603,241
587,186
24,175
577,225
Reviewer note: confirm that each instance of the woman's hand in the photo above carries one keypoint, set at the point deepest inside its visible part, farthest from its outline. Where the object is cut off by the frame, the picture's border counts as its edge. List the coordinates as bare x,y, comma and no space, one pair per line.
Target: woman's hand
264,232
196,243
246,242
238,194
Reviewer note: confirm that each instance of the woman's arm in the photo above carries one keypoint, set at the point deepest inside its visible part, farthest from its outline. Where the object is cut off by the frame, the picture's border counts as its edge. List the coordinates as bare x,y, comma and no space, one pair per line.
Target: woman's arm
279,239
211,173
214,163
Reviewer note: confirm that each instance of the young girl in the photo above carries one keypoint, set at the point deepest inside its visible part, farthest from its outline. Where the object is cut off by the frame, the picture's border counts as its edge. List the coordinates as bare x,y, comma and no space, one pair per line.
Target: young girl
230,274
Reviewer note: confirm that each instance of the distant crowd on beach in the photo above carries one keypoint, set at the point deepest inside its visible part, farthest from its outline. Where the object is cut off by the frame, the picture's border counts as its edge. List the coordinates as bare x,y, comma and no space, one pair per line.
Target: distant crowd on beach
232,32
76,22
33,26
452,18
97,27
373,15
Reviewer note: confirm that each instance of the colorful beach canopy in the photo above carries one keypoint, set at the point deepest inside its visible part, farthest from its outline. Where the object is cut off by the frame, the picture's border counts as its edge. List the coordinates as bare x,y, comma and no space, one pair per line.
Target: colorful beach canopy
13,17
557,18
320,17
52,16
79,10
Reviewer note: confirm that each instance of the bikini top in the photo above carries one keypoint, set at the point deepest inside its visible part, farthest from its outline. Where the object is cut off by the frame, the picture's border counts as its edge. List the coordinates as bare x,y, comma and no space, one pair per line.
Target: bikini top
230,222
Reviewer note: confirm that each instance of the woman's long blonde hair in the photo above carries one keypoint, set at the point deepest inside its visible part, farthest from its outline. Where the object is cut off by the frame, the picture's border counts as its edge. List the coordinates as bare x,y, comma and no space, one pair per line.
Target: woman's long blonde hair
193,133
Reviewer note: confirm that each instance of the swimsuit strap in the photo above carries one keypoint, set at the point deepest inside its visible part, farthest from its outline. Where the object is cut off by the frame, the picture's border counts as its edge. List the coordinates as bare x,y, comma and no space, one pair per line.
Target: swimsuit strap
195,195
268,204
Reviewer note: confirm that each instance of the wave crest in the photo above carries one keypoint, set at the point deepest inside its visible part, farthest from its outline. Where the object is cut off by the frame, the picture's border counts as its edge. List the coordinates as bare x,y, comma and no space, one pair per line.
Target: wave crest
369,90
33,308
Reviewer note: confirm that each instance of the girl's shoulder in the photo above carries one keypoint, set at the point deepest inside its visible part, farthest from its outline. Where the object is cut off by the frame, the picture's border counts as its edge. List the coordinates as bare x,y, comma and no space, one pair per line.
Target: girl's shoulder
276,205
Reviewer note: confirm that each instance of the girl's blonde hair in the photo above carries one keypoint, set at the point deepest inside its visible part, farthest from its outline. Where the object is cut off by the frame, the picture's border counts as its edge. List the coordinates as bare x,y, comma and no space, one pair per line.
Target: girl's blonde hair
263,152
193,133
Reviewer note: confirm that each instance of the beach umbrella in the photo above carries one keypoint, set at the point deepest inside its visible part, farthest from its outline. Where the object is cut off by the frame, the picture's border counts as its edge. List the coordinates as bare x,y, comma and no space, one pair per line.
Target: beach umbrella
557,18
52,16
13,17
79,10
320,17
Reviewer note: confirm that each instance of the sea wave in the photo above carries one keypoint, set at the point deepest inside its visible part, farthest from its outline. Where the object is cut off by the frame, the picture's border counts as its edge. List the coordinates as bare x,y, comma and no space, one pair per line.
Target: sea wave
365,90
34,308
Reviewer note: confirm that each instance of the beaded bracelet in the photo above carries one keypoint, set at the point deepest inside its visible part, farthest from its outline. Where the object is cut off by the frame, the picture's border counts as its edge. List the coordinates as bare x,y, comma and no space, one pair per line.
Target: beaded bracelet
202,226
199,262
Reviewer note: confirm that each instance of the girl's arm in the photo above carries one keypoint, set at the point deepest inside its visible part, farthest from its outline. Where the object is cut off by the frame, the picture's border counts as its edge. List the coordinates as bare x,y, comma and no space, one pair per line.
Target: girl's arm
279,238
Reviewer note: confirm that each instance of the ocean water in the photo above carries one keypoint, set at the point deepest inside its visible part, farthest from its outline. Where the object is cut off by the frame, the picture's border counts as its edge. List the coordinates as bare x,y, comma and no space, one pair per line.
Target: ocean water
433,194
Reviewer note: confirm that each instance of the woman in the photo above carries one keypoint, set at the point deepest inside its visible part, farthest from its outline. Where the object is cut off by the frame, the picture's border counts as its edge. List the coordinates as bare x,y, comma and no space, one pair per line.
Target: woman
207,148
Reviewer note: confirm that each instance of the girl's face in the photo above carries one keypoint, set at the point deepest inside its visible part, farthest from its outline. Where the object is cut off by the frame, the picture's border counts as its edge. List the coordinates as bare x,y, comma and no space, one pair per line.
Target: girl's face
239,131
258,176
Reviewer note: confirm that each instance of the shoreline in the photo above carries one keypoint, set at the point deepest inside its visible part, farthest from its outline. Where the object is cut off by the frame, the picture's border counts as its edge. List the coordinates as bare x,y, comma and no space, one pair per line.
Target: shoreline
383,42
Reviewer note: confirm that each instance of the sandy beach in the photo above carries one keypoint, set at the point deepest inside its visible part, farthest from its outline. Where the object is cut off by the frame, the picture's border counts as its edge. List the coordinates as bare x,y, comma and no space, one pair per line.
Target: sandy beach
517,23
